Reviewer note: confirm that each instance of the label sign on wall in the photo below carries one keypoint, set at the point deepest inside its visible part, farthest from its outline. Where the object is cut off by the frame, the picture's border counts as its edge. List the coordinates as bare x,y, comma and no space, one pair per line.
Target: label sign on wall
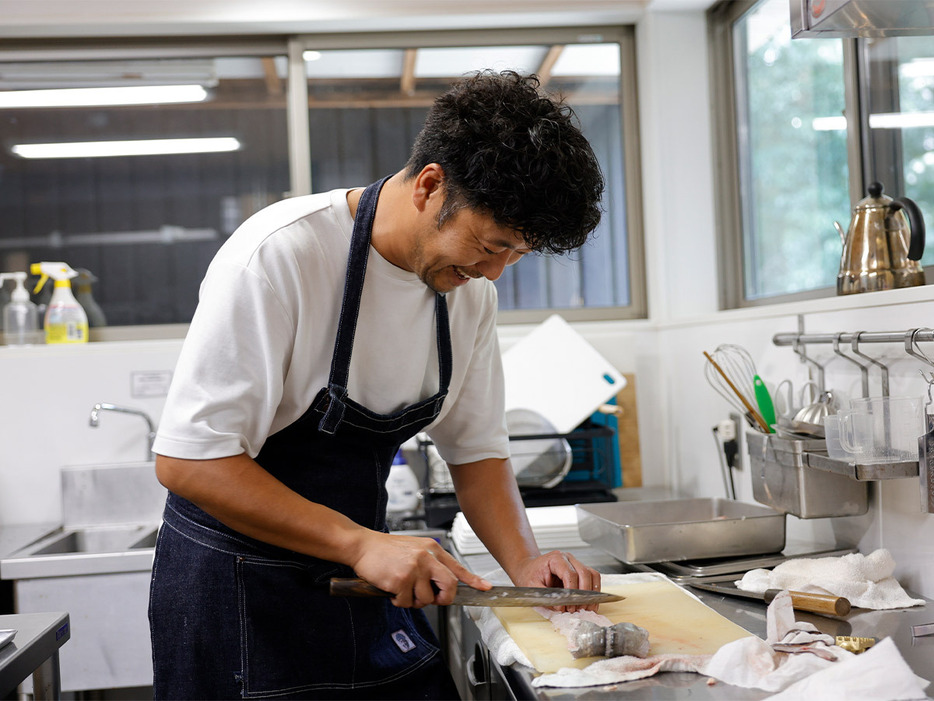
153,383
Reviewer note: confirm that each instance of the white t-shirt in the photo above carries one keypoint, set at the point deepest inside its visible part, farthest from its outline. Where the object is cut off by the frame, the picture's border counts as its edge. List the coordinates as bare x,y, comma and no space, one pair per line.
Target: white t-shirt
260,344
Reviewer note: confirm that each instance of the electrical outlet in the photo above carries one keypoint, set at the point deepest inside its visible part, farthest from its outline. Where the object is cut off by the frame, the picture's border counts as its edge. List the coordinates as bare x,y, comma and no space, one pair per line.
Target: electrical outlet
726,430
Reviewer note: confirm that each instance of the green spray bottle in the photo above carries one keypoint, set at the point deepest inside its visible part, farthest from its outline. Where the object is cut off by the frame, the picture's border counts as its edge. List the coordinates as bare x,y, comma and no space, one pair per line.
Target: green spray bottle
65,319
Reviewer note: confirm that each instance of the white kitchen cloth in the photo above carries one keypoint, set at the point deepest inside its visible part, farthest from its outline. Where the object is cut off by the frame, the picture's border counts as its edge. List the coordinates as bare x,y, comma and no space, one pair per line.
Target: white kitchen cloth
614,670
865,580
879,674
817,669
791,651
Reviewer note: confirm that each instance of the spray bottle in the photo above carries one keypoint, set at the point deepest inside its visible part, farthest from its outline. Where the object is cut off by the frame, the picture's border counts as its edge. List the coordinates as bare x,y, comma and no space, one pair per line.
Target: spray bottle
20,316
65,320
85,297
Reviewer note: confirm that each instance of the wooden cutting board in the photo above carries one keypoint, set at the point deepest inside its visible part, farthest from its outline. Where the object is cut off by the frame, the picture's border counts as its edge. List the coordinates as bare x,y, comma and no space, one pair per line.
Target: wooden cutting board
677,623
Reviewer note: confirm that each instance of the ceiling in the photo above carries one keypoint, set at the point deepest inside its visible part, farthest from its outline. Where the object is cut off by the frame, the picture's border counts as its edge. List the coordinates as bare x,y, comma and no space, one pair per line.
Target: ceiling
84,18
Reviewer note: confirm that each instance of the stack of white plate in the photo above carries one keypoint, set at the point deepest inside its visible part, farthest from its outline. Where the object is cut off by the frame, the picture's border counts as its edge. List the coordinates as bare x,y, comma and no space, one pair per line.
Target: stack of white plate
555,527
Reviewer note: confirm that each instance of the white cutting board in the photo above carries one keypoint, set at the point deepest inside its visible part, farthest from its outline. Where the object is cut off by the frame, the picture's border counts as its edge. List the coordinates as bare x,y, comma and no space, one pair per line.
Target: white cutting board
678,624
557,373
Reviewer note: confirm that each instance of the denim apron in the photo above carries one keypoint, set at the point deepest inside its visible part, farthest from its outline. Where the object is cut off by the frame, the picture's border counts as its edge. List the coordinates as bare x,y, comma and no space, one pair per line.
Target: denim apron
235,617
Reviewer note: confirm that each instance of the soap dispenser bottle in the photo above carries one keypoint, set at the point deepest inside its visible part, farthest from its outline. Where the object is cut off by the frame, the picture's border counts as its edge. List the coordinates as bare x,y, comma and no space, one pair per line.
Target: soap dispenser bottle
65,319
20,315
401,488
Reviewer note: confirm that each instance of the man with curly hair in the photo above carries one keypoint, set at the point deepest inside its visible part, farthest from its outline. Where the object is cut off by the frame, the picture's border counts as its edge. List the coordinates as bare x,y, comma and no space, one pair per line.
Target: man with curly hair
330,329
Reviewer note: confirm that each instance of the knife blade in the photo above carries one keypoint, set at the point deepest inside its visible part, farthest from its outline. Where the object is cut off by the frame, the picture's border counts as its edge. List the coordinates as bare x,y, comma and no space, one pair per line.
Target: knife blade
497,596
824,604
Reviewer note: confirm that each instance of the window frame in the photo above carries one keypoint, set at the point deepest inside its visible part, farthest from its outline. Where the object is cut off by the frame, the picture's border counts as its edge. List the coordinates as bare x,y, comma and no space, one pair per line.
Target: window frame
728,196
297,118
629,118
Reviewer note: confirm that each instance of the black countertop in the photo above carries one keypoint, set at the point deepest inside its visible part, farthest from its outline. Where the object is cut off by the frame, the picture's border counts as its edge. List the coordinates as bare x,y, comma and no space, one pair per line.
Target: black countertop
749,614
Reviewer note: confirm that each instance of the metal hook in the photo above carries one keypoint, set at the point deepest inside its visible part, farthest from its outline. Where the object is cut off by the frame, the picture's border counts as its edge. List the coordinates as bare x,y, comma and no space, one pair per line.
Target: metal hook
930,381
796,346
913,349
882,366
863,369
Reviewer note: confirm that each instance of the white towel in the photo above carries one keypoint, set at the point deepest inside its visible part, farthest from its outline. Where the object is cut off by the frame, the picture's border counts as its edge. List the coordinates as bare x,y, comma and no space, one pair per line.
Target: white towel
866,580
879,674
784,657
801,663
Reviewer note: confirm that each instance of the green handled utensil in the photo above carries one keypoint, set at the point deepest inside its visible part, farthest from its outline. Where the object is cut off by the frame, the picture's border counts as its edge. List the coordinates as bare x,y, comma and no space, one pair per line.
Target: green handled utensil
764,400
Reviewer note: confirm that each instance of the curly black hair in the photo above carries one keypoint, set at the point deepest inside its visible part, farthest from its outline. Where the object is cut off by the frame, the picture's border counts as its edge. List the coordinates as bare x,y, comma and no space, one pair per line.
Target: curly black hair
510,150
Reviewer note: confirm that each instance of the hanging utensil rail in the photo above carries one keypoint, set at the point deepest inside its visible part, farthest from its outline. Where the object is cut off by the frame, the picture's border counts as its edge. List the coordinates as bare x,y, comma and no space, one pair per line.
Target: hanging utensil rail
924,335
911,338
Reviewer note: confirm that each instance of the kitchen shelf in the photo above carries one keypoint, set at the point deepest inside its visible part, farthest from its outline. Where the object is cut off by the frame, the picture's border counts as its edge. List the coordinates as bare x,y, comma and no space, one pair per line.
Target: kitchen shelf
861,472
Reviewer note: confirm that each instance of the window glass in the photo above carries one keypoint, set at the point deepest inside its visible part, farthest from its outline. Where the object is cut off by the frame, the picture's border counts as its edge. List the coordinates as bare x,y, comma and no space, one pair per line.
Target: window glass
144,227
901,121
791,140
366,107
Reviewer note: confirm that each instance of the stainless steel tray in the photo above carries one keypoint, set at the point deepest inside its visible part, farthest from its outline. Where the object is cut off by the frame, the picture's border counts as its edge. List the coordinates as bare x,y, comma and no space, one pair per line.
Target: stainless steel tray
681,529
717,567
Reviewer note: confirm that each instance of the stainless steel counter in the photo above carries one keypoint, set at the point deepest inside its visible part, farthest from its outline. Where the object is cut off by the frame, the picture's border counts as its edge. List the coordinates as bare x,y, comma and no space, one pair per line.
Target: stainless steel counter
34,651
896,624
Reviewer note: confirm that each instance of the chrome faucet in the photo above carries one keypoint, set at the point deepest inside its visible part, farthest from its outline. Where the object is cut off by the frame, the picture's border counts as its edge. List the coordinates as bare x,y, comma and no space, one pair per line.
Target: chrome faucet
101,406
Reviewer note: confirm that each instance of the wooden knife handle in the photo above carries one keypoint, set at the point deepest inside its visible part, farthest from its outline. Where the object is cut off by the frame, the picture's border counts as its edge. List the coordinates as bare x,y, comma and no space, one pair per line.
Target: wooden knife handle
815,603
352,586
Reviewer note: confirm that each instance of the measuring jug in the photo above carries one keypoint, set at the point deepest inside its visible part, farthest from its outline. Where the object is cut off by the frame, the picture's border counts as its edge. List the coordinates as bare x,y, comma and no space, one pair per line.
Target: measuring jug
882,429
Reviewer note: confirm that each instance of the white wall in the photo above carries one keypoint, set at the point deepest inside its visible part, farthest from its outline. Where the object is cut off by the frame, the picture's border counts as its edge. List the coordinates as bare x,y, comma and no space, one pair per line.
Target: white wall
44,421
680,242
49,391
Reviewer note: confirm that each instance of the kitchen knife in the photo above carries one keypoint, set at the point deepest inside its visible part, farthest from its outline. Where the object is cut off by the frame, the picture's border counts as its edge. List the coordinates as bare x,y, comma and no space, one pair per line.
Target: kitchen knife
802,601
497,596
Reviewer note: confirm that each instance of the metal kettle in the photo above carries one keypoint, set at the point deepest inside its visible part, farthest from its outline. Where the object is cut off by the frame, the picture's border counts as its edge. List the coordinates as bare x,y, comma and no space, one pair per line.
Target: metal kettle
882,246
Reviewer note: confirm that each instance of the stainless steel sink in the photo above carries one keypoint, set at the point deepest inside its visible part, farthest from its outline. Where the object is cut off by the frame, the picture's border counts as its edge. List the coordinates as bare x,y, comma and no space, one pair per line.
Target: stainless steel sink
96,564
84,550
102,539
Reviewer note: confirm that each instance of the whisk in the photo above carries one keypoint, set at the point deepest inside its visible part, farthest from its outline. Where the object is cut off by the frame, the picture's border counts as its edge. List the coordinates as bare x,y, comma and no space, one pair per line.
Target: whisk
731,371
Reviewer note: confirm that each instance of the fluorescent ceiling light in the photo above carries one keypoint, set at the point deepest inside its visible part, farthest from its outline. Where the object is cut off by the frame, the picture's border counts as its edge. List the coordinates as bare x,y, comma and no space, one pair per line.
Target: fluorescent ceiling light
92,97
310,55
142,147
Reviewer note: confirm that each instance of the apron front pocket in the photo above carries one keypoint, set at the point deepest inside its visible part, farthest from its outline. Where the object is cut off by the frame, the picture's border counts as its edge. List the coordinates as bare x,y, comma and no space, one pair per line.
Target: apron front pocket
297,638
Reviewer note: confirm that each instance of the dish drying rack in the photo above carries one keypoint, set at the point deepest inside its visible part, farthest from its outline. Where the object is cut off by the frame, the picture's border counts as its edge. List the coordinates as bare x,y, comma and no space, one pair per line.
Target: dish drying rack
808,453
593,474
